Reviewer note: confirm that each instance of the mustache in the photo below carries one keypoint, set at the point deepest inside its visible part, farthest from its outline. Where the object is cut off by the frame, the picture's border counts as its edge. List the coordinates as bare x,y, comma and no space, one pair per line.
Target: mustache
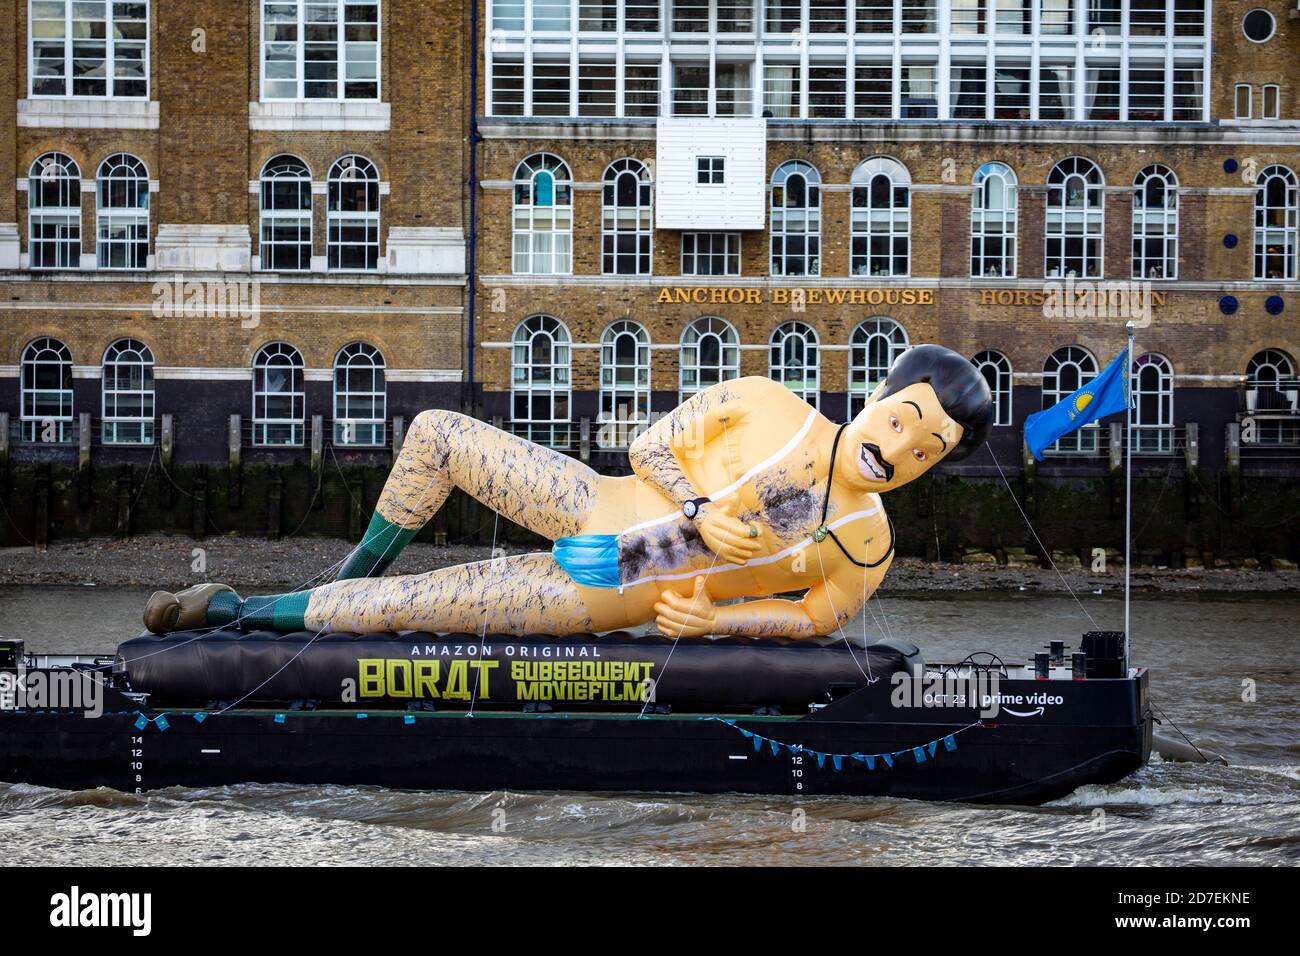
880,458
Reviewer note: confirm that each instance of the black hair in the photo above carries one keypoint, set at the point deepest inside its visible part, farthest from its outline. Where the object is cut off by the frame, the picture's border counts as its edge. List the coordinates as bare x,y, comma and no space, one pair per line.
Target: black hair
960,387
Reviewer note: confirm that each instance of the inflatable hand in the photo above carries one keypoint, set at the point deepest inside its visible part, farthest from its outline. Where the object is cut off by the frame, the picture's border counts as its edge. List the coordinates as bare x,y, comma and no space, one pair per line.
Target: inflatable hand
693,616
731,539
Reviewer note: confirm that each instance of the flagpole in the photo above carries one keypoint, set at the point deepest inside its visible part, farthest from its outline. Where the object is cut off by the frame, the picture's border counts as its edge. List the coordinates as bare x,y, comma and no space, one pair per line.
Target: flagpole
1128,488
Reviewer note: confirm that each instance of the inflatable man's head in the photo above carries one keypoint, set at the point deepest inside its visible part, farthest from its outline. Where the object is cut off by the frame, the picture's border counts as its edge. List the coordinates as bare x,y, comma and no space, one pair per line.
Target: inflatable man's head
933,404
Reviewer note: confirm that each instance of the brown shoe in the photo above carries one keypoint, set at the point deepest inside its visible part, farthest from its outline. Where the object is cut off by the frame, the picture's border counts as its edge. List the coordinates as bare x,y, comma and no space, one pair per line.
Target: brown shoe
183,611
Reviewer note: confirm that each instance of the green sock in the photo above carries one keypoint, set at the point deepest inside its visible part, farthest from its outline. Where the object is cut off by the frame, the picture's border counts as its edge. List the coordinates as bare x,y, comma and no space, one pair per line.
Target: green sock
382,542
276,612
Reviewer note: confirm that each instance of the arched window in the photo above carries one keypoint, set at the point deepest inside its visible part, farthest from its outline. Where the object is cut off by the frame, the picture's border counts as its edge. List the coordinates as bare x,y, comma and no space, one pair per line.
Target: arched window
1272,399
624,383
285,244
793,360
279,403
46,392
1074,220
626,219
796,220
1275,223
996,369
360,396
543,223
993,222
1155,223
352,217
1151,414
710,354
128,403
122,213
54,213
880,233
1067,370
873,347
540,383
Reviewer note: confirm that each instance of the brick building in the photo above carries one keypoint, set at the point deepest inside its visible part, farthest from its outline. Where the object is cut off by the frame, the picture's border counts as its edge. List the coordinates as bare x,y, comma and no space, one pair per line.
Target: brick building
802,188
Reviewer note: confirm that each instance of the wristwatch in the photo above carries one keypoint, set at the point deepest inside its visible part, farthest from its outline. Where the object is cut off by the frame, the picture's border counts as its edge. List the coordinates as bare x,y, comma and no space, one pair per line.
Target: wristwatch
692,508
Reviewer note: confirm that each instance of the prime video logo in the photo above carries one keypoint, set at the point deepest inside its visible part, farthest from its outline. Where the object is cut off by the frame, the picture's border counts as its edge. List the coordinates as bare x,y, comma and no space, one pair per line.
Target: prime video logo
21,689
76,909
977,687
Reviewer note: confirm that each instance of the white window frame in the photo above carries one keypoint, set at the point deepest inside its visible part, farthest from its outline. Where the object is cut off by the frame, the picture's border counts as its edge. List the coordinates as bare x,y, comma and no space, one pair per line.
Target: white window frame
64,217
991,223
795,222
1264,111
342,45
1155,436
891,221
268,428
134,182
627,222
134,359
529,227
276,170
996,369
794,360
366,430
1159,223
341,224
1266,234
111,42
1091,216
554,386
624,404
874,346
692,370
45,351
1250,101
695,256
1082,441
1273,397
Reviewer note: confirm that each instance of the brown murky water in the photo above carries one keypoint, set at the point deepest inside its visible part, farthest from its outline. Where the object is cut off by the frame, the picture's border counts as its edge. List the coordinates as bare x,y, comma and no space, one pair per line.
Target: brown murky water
1204,650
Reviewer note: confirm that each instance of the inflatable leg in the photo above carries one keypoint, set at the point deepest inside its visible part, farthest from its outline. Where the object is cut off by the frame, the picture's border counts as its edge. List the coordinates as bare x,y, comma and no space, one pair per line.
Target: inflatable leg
519,595
546,492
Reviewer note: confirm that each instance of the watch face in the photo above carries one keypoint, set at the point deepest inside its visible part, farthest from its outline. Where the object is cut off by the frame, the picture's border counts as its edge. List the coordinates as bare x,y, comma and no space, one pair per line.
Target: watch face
690,509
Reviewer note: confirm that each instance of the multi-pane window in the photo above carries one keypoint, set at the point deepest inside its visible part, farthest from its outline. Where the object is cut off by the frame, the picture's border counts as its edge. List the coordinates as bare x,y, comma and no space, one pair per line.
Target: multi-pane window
880,228
122,213
1013,17
128,394
873,91
1273,398
993,222
1101,92
626,218
597,16
827,92
1074,220
54,213
967,16
874,16
1104,17
873,348
710,253
279,401
918,16
710,353
1151,408
1155,223
1066,371
826,16
642,16
285,215
45,387
320,49
624,383
918,96
1275,223
540,384
543,216
969,83
1056,91
782,16
1189,18
550,16
792,360
1146,18
352,216
1011,92
731,88
1146,93
507,14
996,369
1056,17
1189,94
641,89
360,396
551,88
796,220
89,48
507,87
781,90
597,89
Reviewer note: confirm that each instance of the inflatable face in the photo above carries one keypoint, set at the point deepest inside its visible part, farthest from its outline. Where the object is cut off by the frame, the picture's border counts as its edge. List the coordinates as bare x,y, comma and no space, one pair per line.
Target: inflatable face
896,439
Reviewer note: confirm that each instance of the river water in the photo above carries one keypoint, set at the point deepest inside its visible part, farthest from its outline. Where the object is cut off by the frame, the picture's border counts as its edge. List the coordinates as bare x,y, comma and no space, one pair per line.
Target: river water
1226,668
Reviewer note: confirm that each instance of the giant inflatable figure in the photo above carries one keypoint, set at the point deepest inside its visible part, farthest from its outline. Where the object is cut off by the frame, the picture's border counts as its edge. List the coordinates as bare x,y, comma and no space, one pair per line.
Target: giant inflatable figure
743,491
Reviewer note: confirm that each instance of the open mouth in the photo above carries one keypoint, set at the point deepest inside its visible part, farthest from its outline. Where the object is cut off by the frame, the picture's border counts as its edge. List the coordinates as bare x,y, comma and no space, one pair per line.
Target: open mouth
872,463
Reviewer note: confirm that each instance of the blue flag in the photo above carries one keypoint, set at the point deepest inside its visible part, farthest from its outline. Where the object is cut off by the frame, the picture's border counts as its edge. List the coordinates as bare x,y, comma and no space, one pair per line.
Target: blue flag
1103,396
